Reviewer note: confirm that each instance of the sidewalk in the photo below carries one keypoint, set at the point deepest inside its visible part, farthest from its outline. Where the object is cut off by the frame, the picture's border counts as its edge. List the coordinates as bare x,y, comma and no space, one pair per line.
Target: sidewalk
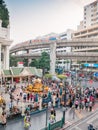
81,115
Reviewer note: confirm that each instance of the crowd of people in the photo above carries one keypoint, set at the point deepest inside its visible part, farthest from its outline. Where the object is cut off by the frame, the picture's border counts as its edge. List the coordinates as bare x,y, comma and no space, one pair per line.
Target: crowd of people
58,95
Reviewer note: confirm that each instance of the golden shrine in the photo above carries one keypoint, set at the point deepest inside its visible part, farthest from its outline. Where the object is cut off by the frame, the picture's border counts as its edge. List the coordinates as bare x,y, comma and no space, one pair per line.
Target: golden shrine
37,86
1,100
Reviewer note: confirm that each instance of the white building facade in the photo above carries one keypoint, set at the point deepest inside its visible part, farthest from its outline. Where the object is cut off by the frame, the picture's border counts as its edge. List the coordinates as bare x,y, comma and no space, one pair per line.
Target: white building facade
5,42
64,63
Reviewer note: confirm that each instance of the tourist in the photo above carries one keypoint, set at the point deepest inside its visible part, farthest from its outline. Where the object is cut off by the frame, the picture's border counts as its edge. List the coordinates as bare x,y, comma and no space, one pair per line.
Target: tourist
51,119
3,119
27,122
76,103
53,113
28,96
90,106
24,97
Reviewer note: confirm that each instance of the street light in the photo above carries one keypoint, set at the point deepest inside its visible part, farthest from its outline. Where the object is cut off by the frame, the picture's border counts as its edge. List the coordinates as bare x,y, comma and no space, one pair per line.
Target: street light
46,116
64,106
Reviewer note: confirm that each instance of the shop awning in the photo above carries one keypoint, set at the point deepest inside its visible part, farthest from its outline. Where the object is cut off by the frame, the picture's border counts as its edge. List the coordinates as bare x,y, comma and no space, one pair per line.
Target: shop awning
6,73
16,71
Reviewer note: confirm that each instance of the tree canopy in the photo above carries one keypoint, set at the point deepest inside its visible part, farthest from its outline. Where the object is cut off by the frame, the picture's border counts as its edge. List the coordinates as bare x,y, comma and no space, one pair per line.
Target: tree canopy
43,62
4,14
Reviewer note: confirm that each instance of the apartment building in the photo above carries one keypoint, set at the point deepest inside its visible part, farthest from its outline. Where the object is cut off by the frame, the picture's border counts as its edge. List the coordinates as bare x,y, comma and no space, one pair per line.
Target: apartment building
88,27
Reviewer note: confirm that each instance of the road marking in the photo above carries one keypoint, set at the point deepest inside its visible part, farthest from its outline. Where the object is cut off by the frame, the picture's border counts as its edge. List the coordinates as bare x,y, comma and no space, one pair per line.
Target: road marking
85,120
77,128
78,114
67,123
91,120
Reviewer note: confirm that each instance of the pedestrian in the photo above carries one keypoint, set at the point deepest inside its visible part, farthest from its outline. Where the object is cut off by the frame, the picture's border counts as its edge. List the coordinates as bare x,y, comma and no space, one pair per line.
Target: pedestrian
27,122
90,106
51,119
3,119
28,96
90,127
70,104
17,101
4,107
53,112
10,106
73,111
24,97
83,104
86,106
31,97
76,103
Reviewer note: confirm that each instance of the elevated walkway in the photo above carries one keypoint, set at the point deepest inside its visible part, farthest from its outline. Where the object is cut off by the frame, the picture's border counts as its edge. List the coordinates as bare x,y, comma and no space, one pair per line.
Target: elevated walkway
59,43
80,56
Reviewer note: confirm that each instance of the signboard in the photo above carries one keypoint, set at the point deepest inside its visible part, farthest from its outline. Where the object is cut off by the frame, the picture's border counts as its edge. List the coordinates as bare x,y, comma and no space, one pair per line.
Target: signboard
52,38
91,65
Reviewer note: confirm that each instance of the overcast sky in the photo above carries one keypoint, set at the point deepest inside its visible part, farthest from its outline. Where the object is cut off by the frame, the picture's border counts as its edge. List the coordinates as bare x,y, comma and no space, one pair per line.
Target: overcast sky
32,18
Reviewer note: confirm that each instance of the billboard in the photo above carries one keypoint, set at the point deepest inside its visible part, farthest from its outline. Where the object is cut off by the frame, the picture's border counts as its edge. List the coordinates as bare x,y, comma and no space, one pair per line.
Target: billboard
91,65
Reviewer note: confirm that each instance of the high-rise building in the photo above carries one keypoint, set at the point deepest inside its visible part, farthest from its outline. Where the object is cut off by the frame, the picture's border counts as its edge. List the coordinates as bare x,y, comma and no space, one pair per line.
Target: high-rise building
91,14
88,28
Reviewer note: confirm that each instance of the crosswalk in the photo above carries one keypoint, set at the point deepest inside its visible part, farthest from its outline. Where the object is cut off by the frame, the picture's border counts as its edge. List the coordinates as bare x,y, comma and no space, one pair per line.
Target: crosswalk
79,114
67,123
84,112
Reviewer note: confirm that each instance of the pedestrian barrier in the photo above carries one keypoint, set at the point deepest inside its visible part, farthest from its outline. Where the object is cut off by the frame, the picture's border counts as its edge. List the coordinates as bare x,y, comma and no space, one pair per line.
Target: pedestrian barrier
14,117
56,125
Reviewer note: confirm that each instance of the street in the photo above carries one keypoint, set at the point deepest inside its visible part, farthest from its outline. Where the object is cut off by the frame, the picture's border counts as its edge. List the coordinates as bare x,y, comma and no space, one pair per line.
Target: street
83,123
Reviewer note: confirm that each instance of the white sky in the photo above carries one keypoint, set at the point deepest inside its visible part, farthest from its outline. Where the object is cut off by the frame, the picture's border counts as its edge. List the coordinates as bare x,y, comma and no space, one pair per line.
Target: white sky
32,18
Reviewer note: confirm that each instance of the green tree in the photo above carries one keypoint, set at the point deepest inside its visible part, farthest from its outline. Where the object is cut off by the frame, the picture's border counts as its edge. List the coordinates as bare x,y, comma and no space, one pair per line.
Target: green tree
14,61
34,63
43,62
25,61
4,14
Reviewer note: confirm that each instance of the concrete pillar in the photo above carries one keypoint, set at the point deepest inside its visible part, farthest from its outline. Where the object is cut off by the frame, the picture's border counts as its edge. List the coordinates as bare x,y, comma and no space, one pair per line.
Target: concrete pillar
29,60
6,57
52,57
1,81
12,80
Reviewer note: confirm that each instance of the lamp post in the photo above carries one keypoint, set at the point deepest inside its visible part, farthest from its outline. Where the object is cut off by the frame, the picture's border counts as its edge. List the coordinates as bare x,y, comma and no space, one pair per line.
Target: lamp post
46,116
64,106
